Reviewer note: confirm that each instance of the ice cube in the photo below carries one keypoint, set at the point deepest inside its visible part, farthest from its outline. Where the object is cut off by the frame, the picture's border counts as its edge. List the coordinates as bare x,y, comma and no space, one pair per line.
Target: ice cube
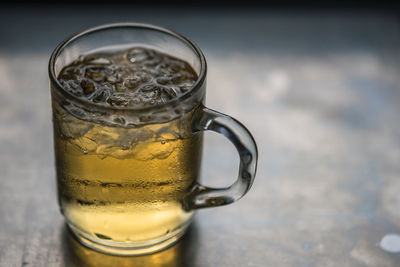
101,96
137,55
169,93
153,61
118,99
119,87
132,83
131,77
185,86
100,61
113,79
95,74
150,92
163,80
87,86
175,66
73,87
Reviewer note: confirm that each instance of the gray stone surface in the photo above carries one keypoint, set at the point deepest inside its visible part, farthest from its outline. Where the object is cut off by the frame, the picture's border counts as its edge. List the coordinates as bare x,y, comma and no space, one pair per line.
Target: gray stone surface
321,94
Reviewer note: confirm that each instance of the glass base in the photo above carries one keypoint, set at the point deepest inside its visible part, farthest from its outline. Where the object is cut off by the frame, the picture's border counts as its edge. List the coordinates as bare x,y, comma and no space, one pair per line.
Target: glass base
129,249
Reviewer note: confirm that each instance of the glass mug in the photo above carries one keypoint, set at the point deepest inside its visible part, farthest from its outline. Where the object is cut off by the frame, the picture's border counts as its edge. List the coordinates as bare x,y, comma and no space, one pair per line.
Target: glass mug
128,177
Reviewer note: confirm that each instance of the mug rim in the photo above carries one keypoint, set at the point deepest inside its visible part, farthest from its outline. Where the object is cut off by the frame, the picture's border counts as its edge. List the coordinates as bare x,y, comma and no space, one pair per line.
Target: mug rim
57,51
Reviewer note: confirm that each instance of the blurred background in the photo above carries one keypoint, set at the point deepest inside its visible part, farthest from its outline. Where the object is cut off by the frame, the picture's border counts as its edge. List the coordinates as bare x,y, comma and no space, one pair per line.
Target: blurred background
318,85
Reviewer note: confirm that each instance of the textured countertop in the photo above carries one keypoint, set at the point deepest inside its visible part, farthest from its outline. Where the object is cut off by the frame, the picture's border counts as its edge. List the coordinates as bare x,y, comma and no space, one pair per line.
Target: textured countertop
319,91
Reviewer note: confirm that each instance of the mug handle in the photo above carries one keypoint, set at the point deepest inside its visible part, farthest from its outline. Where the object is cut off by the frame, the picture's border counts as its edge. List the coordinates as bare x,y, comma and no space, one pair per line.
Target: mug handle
202,196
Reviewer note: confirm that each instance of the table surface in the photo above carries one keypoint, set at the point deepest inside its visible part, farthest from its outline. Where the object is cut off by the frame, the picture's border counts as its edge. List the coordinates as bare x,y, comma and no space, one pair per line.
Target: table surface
319,91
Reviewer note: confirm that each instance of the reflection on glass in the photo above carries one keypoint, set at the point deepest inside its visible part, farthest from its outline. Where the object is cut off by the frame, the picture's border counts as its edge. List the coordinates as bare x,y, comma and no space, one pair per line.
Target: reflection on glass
78,255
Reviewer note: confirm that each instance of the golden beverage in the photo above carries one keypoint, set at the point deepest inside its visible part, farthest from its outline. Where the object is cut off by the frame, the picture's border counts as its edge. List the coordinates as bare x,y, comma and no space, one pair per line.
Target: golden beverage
125,184
128,122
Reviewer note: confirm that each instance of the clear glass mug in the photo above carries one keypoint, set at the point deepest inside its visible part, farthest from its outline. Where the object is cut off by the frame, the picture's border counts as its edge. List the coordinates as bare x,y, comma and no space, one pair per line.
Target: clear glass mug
128,178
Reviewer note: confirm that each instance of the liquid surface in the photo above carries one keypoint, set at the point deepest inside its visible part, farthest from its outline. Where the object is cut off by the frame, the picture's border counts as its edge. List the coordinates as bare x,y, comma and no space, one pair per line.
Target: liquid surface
117,185
133,77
